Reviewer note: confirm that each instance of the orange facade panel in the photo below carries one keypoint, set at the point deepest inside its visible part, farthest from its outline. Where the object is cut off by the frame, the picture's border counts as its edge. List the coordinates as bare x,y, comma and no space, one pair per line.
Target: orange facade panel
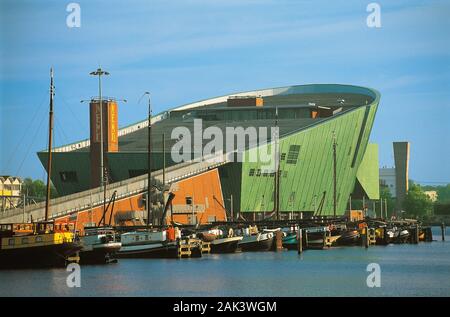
110,125
197,199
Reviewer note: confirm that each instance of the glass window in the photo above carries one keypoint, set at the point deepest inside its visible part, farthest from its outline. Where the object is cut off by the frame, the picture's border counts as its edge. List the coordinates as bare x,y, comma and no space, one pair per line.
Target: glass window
293,153
68,177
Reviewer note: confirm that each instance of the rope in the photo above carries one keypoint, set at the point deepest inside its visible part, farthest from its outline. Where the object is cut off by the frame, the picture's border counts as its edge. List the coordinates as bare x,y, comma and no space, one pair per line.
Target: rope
25,132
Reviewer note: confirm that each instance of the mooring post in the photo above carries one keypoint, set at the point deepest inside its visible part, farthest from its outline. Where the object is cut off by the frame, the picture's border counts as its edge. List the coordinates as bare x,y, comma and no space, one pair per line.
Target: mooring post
385,236
417,234
366,245
428,235
300,241
278,241
324,238
364,237
305,237
443,231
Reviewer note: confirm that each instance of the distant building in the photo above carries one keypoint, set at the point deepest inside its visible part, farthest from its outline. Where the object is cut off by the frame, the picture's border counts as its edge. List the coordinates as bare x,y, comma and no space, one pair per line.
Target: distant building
432,194
387,179
10,192
396,178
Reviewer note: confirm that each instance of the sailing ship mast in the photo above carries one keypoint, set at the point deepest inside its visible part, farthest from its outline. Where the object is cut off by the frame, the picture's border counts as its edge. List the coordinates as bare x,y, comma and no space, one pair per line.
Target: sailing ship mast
50,140
149,162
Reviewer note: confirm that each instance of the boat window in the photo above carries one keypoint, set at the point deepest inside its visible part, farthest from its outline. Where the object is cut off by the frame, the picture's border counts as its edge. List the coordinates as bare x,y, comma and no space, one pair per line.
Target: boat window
146,237
11,242
38,239
24,240
137,238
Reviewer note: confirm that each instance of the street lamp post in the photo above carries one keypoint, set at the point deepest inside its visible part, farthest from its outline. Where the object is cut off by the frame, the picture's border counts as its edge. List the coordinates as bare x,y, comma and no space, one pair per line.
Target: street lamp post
99,72
149,159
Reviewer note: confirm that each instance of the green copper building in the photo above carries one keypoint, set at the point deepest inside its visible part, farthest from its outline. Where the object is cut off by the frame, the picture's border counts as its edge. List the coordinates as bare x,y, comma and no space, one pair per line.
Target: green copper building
313,120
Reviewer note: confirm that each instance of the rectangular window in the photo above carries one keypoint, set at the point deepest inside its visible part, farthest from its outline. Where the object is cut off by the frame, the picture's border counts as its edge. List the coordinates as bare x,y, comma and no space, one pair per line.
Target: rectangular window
293,153
292,197
252,172
258,172
188,200
69,177
283,156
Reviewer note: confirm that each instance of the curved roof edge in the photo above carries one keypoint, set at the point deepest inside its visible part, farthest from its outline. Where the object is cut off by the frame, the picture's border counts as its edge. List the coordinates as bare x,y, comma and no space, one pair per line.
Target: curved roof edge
267,92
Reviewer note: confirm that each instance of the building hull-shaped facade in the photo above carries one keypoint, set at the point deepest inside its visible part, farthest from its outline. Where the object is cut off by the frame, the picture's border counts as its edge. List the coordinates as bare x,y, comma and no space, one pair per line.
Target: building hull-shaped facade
309,118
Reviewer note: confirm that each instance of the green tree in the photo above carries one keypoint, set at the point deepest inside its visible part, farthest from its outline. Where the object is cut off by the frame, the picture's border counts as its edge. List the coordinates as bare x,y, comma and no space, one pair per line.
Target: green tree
417,203
37,189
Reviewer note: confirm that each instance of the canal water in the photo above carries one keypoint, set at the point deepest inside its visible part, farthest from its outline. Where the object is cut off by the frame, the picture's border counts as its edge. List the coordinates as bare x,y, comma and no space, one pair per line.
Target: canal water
406,270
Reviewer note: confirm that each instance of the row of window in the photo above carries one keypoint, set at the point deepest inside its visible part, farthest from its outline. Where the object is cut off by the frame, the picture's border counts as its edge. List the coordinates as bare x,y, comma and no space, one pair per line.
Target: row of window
25,240
265,173
138,238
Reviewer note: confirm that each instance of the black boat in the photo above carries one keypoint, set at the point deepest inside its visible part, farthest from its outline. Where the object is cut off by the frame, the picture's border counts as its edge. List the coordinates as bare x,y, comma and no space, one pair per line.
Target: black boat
350,237
262,241
225,245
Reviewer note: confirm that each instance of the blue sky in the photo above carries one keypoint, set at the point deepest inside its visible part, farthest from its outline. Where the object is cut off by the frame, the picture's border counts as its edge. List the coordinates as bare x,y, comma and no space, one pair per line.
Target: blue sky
184,51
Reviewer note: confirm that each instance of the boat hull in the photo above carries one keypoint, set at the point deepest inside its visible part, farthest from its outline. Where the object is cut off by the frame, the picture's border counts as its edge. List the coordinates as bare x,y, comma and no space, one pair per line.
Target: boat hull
260,245
225,245
349,238
100,254
290,242
153,250
57,255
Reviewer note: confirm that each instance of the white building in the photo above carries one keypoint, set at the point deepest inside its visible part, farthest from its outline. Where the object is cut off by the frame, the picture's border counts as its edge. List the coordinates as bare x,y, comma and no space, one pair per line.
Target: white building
387,179
10,191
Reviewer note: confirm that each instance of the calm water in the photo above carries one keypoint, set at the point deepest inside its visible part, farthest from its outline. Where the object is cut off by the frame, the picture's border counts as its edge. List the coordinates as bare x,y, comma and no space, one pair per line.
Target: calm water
406,270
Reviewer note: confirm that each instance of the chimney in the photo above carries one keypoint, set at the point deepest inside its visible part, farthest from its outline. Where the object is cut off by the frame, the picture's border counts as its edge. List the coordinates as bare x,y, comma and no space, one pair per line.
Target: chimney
110,136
